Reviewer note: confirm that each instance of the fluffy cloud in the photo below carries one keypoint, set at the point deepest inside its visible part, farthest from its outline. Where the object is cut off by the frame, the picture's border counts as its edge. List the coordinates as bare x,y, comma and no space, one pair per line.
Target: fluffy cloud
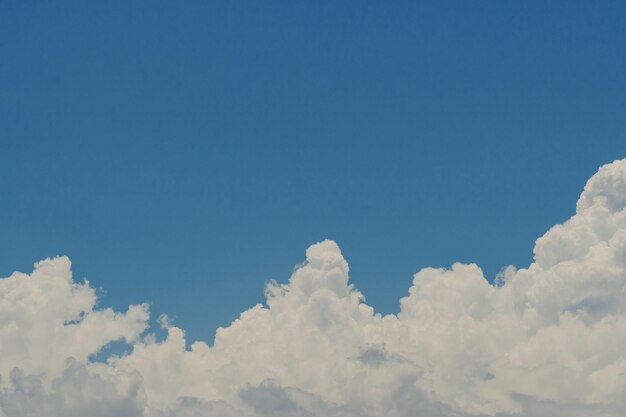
549,339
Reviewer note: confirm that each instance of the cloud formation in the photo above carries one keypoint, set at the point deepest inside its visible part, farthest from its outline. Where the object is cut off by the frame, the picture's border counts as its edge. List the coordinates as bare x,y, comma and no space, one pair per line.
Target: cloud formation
549,339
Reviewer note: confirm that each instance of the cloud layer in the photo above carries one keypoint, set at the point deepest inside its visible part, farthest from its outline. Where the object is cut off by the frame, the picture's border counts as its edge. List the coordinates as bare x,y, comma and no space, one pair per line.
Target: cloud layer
549,339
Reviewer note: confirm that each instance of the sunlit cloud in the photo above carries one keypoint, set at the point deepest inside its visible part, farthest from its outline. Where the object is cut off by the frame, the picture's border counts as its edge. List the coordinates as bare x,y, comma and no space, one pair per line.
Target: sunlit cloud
547,339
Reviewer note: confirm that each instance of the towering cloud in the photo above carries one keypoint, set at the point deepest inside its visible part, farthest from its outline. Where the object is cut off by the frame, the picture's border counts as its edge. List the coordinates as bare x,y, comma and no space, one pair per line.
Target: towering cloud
549,339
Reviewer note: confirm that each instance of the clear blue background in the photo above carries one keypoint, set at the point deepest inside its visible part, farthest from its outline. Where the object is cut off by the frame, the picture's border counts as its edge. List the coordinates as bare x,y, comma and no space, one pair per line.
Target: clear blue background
183,153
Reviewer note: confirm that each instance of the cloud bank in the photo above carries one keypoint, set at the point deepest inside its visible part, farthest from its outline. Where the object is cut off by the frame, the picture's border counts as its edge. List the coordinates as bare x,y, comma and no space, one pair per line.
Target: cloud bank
549,339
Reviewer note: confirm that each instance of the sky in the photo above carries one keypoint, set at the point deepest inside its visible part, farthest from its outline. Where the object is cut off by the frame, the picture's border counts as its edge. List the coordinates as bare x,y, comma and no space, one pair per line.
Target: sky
312,209
184,154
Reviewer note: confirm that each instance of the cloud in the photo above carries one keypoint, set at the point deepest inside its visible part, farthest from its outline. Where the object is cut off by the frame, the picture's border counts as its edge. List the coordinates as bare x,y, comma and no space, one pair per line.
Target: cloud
549,339
45,318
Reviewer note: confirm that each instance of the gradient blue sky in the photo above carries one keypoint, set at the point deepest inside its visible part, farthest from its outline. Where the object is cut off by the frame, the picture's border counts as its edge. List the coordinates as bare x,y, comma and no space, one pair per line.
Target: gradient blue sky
183,153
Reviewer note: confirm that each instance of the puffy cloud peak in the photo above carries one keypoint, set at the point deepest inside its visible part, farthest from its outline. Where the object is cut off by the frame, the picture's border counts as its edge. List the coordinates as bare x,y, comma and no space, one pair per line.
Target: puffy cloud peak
607,187
45,318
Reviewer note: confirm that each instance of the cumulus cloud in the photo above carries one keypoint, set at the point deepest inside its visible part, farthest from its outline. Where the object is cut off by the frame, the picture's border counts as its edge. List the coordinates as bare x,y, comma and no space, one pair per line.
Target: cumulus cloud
549,339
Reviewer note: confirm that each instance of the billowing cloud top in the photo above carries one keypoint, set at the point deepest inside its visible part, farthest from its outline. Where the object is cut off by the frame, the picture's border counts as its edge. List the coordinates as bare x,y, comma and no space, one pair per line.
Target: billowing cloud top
549,339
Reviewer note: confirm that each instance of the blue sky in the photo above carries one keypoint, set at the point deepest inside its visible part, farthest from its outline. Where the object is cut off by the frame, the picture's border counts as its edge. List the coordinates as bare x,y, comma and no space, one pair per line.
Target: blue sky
184,153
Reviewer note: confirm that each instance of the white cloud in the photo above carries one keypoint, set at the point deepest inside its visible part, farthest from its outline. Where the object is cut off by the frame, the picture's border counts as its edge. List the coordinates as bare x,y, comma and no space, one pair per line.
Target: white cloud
550,339
45,318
